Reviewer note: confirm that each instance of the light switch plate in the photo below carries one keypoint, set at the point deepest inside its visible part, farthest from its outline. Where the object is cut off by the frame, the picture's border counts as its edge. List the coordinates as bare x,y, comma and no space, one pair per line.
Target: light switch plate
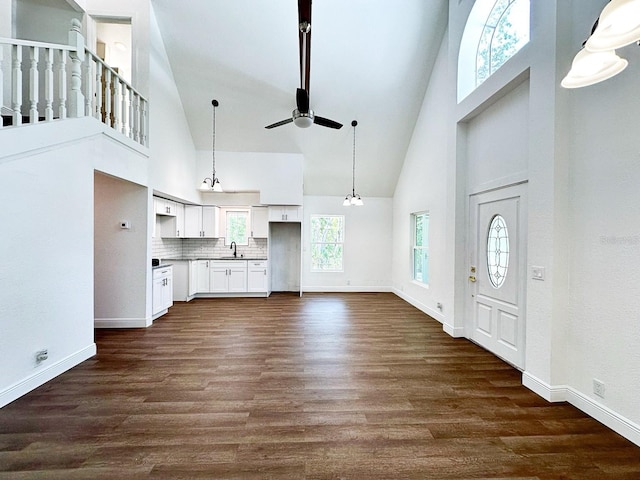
537,273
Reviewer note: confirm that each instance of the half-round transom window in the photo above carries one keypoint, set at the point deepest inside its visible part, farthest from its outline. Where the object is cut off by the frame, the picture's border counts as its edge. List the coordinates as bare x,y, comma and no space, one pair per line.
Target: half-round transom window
497,251
495,31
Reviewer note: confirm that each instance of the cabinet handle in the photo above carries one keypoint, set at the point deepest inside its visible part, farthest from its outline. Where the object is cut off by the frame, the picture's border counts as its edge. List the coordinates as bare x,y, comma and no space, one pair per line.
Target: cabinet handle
265,271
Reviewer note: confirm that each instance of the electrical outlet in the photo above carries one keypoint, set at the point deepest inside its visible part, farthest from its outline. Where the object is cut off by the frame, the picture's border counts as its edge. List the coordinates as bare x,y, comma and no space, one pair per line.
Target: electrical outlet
42,355
439,306
598,388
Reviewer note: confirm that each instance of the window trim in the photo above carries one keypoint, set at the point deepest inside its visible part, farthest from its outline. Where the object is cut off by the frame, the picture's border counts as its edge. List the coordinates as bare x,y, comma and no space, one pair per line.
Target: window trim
312,243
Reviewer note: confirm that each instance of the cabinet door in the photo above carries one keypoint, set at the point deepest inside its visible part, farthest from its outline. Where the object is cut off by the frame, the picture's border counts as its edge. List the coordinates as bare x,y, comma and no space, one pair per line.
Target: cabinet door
259,222
167,292
179,220
257,279
238,279
202,276
193,277
210,219
158,286
192,221
292,214
219,279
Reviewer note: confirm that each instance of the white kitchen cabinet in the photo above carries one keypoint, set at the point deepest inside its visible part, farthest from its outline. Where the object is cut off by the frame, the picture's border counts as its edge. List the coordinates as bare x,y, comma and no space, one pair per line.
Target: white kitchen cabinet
228,276
285,213
257,276
260,222
172,226
193,277
162,295
163,206
201,221
202,282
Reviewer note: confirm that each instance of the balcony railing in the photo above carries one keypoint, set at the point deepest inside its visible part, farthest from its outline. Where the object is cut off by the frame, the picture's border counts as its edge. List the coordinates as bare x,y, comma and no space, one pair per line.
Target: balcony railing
43,82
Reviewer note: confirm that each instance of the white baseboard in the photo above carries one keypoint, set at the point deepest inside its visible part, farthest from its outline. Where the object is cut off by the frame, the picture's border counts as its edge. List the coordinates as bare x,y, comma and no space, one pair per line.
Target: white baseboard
419,305
45,374
593,408
346,289
122,322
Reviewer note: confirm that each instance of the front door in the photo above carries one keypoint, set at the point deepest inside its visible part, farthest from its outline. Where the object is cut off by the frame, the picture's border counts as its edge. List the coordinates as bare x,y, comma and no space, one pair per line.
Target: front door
497,272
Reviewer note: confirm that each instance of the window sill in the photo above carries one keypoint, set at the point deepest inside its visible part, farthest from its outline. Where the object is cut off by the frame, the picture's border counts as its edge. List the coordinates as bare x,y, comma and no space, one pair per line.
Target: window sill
420,284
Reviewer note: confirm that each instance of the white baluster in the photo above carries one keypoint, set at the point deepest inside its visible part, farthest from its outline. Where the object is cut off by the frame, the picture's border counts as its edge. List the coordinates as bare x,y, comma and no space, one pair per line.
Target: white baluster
143,123
130,99
135,121
117,105
16,85
34,84
99,88
48,84
107,98
88,85
76,99
62,85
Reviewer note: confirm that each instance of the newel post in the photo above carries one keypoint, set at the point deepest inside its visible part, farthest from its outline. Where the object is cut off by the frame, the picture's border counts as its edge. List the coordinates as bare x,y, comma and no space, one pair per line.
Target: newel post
76,98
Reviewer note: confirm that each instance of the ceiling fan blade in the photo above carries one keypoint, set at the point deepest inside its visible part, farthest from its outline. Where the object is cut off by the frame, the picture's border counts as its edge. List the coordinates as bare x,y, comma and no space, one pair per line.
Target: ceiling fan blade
280,123
325,122
302,100
304,18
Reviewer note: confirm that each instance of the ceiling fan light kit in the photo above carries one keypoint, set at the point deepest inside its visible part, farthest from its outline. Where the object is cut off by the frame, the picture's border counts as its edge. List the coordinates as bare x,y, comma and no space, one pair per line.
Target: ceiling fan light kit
617,26
303,116
212,184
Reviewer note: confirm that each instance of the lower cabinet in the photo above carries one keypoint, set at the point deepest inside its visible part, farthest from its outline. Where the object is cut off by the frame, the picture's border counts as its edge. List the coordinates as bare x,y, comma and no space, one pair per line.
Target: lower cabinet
257,276
228,277
234,276
162,294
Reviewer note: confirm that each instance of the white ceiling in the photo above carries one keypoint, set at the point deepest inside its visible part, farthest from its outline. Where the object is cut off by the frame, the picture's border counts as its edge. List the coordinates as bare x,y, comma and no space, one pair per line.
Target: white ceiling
370,61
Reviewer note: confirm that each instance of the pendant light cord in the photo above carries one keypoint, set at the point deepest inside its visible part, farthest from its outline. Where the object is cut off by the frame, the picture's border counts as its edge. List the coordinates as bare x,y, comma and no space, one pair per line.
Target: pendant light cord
213,163
353,177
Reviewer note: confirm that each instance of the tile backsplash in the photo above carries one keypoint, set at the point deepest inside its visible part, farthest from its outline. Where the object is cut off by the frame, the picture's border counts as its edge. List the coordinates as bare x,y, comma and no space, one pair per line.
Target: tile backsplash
193,248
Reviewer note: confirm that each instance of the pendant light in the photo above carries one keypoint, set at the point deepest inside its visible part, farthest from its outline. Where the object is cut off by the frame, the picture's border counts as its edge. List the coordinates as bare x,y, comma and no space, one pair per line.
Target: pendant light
353,198
212,184
618,26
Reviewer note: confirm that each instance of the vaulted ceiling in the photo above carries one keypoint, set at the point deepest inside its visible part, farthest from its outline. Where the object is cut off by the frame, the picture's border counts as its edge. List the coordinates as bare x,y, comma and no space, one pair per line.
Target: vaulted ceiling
370,61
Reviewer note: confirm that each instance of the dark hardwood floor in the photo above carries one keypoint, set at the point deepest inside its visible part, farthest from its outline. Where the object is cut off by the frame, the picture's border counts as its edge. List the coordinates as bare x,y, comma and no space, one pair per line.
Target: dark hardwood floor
327,386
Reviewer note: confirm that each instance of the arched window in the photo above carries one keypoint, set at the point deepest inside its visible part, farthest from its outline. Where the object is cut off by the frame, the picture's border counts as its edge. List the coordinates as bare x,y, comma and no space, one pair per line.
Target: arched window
495,31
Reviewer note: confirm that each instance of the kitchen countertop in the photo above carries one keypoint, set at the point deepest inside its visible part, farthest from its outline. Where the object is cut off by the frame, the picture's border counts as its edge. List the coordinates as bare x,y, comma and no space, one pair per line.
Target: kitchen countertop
223,259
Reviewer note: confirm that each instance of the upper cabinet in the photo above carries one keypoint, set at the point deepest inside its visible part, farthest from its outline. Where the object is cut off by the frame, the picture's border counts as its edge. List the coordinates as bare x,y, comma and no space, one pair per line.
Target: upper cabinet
260,222
201,221
164,207
284,213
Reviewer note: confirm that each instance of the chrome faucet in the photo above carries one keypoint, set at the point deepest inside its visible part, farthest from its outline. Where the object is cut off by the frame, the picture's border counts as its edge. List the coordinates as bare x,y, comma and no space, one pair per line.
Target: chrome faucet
234,248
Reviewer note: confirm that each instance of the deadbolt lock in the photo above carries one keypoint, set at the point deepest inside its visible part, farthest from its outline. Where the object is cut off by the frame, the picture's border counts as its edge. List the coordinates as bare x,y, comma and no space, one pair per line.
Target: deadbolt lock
473,269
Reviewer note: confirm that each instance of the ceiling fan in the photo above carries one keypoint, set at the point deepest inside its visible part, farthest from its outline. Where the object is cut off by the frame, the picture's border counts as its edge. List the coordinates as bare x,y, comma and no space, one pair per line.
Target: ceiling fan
303,116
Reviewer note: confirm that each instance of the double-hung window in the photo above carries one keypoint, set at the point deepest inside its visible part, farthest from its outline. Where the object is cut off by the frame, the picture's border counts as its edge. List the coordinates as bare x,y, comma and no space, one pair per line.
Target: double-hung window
327,243
420,249
237,227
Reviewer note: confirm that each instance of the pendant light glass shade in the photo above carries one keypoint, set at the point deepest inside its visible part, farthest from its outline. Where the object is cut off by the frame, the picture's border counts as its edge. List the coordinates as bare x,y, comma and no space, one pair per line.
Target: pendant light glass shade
589,68
618,25
353,198
212,184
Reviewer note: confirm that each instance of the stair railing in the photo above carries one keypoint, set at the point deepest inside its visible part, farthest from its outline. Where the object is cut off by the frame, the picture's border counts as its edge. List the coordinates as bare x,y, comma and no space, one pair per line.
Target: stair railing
67,81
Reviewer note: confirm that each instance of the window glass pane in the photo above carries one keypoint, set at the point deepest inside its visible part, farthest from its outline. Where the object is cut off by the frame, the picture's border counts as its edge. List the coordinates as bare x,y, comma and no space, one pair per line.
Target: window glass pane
327,237
327,256
512,33
497,251
420,247
237,228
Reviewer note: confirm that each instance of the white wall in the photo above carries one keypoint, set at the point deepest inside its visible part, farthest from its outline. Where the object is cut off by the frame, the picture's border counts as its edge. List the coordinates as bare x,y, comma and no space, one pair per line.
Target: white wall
47,263
367,245
42,22
173,168
424,185
277,176
121,266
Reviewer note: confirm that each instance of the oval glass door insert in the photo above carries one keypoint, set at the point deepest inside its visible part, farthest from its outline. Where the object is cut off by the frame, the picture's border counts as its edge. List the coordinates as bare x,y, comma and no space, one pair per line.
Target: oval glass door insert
497,251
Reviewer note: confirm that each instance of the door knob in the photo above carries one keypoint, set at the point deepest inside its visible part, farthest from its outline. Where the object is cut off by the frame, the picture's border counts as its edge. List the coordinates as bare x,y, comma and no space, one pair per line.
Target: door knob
472,278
